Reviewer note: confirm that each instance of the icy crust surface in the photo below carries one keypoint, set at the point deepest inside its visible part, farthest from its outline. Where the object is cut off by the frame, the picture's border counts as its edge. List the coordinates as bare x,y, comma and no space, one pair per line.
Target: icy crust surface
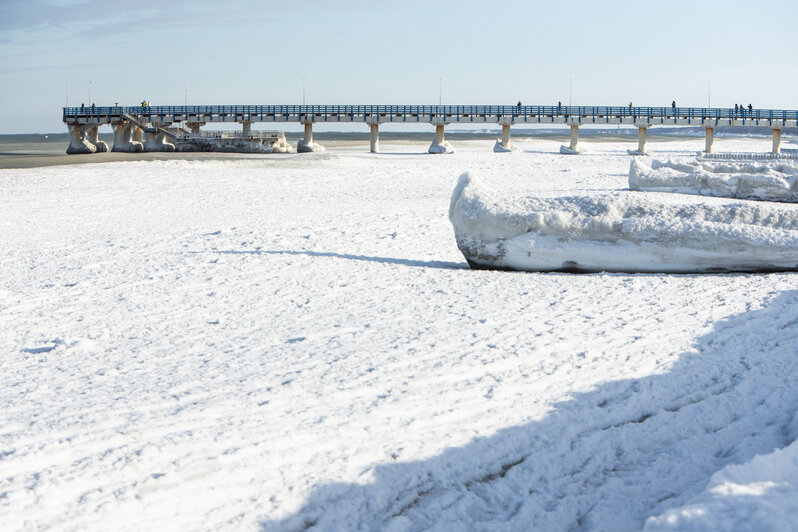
761,181
758,495
286,343
623,231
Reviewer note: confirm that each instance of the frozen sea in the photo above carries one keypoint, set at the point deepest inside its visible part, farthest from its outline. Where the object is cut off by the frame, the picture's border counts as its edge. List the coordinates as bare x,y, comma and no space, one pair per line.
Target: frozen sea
291,342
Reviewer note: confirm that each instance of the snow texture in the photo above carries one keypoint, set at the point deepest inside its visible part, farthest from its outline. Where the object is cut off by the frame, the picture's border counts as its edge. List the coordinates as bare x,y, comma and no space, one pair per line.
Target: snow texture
774,181
280,343
758,495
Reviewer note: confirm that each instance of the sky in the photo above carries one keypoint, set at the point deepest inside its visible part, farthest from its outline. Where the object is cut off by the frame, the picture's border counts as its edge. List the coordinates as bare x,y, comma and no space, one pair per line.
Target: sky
379,52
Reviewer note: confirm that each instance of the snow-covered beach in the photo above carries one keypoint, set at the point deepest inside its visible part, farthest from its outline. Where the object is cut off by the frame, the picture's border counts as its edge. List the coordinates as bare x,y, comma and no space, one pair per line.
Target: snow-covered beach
283,342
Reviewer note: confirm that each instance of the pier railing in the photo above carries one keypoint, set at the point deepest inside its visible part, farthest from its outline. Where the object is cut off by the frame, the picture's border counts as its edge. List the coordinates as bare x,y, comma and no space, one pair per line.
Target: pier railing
185,112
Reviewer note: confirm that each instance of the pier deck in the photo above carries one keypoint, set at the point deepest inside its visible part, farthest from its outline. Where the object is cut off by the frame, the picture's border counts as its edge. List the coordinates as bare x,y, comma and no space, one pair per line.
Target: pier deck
127,121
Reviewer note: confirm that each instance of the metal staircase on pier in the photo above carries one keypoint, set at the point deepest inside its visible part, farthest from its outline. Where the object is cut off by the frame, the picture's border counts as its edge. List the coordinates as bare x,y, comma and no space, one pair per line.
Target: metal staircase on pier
147,129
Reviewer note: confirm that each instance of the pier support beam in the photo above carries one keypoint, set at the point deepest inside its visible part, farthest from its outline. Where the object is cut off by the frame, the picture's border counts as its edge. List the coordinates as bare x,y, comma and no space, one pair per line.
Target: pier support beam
123,140
439,145
306,144
642,134
163,141
150,141
642,137
776,141
246,129
195,127
503,145
375,138
573,148
137,134
709,140
94,138
155,139
78,143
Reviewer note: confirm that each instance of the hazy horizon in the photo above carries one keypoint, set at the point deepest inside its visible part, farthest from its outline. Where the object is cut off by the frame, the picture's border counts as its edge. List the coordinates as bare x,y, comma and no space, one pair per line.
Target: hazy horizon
352,51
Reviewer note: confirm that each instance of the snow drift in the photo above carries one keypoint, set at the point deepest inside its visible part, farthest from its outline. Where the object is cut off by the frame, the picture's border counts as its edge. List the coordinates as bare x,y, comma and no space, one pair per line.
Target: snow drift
771,182
763,490
626,232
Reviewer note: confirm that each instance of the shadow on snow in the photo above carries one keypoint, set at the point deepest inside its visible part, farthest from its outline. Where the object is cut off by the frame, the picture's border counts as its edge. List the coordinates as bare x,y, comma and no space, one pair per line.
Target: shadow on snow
608,458
383,260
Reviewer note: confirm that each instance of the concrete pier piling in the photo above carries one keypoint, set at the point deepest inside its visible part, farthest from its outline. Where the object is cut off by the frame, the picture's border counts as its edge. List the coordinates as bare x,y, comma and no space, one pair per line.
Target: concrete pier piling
373,122
94,138
78,141
503,144
710,140
137,134
574,146
195,127
374,146
155,138
306,144
123,138
776,141
642,135
439,144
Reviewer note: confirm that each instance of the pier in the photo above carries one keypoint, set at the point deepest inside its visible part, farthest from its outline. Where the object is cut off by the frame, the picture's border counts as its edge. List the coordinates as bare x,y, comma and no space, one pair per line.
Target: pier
155,128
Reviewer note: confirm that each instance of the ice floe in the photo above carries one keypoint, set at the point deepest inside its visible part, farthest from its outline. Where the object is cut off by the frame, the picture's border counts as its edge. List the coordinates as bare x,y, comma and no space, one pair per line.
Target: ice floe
624,232
771,182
